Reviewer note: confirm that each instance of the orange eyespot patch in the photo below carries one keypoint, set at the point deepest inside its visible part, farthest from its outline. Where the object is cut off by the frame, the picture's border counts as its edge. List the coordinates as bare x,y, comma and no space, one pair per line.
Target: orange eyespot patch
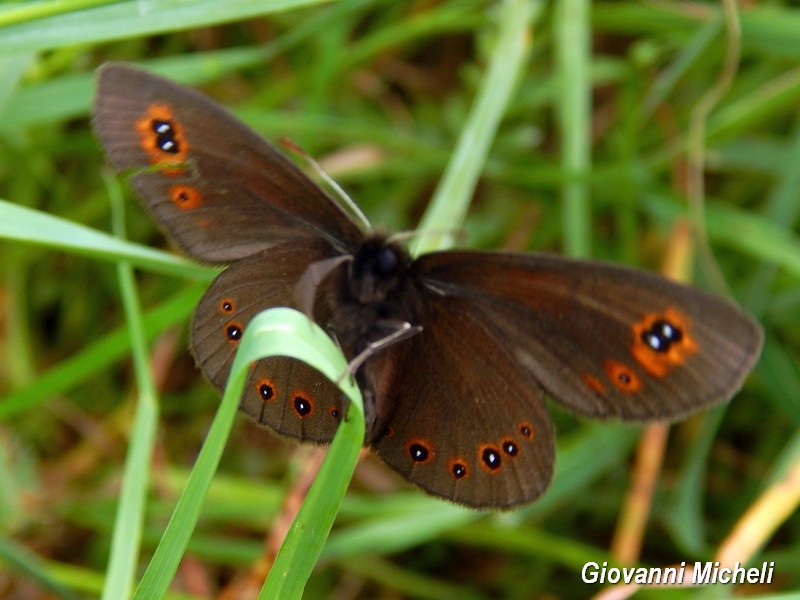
622,377
303,403
163,138
233,331
594,383
458,468
662,341
185,197
420,451
489,458
227,305
527,430
266,389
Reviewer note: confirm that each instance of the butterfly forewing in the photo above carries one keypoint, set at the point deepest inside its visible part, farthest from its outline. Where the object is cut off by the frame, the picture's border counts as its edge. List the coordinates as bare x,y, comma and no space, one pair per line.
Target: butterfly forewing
221,191
604,340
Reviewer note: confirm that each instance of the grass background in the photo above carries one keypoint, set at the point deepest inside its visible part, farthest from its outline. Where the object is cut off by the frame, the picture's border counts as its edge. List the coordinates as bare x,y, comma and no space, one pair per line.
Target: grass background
595,155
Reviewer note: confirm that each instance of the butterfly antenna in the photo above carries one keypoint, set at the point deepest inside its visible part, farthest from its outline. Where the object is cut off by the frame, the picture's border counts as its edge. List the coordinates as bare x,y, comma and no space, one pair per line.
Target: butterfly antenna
294,147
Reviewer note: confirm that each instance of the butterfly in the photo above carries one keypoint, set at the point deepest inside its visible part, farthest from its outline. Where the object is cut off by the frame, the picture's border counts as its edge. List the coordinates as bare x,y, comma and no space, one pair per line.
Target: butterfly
454,351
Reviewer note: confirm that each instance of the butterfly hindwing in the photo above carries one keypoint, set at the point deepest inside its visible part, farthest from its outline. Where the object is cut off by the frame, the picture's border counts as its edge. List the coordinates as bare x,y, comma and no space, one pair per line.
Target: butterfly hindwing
467,424
281,393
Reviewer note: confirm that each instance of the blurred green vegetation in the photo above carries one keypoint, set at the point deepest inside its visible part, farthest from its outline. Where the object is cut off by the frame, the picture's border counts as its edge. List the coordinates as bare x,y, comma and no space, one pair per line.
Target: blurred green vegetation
380,91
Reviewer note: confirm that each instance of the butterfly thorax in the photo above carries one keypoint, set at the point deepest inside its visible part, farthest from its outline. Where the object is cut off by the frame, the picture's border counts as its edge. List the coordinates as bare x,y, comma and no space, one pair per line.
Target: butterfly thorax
375,293
374,272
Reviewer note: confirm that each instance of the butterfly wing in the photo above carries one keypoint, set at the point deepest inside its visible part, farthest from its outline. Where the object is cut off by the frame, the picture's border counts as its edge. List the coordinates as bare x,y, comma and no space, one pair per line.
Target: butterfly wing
604,340
467,424
220,191
281,393
465,418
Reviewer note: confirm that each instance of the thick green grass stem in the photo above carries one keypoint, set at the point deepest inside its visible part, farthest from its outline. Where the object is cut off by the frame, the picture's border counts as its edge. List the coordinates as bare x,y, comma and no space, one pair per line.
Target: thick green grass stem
573,53
129,522
448,207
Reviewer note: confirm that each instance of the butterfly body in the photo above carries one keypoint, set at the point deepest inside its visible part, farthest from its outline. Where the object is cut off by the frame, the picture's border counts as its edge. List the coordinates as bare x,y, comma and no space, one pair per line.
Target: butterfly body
374,290
454,351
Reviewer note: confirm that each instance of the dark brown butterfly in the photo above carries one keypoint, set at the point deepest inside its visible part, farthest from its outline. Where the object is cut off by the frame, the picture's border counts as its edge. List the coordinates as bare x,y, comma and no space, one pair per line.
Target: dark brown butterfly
463,345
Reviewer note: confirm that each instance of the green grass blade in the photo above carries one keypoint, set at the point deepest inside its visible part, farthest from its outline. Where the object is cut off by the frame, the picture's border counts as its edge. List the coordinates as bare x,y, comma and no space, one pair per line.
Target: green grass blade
129,521
121,20
284,332
96,356
22,560
30,226
574,104
303,545
451,200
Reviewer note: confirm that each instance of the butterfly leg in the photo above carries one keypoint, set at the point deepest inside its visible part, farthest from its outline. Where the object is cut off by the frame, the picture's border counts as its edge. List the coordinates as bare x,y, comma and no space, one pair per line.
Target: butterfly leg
375,416
402,330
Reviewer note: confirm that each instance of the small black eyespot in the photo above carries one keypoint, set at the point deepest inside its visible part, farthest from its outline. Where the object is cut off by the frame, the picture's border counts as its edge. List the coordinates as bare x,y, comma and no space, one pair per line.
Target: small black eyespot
661,335
418,452
165,136
303,406
266,391
234,332
491,458
510,447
